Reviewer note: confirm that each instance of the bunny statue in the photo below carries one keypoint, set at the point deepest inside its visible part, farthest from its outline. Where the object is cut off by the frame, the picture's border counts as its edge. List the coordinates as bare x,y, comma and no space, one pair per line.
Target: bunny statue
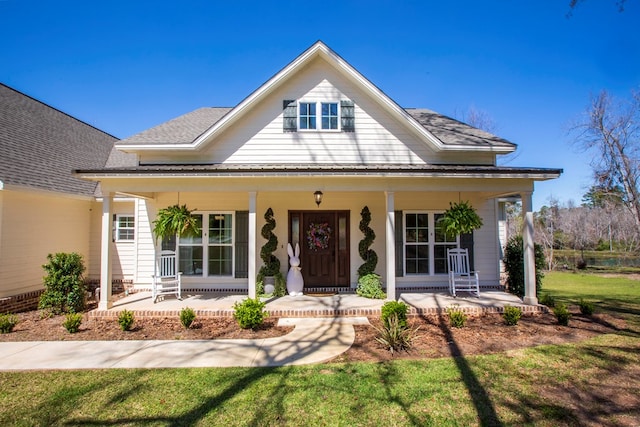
295,282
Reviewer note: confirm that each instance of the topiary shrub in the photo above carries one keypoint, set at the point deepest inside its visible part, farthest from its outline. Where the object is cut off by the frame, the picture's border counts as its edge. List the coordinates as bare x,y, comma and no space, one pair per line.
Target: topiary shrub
187,316
457,317
511,315
586,307
126,320
64,285
562,314
271,264
369,256
72,322
7,322
250,313
394,308
370,286
514,265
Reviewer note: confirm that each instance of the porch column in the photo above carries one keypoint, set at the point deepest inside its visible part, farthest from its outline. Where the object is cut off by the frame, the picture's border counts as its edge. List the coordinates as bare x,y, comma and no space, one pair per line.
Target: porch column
252,244
530,297
390,246
106,301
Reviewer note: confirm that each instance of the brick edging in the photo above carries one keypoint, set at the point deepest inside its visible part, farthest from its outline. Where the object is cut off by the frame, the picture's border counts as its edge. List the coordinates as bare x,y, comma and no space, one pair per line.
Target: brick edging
347,312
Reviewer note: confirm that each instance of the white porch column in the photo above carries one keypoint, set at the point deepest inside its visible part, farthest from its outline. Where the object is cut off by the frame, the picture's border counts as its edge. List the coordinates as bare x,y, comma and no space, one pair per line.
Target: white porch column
106,301
530,297
390,246
252,244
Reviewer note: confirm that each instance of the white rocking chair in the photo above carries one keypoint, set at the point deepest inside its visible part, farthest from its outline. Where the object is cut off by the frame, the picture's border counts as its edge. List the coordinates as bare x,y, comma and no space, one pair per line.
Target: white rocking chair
460,276
166,278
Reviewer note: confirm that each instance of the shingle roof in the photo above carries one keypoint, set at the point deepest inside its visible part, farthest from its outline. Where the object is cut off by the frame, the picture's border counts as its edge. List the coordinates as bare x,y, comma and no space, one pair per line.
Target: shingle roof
181,130
454,132
40,146
188,127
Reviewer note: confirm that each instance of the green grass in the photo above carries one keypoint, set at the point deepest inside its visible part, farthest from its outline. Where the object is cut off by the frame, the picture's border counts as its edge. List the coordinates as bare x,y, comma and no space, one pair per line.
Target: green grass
594,382
614,295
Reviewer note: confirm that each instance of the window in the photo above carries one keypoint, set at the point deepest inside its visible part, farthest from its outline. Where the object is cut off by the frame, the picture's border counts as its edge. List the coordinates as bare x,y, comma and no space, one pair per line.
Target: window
124,228
329,118
210,253
309,115
425,244
329,115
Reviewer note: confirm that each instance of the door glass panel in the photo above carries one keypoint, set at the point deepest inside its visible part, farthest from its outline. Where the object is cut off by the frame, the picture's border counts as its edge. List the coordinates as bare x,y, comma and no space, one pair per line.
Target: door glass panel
342,233
295,230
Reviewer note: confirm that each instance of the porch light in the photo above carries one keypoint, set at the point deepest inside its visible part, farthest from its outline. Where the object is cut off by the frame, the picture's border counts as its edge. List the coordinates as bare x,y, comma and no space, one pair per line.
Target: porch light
318,197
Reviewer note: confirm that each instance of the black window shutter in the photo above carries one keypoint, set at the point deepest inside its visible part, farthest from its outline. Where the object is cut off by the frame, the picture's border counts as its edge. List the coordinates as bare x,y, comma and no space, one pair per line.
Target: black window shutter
290,115
348,116
399,244
242,245
466,242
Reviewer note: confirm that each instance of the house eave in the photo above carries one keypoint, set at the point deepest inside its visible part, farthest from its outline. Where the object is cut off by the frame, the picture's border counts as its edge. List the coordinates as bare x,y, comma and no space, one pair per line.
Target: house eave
257,171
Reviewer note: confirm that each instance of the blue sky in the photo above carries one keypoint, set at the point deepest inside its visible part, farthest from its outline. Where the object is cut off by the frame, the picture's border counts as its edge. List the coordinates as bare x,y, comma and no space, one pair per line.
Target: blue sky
125,66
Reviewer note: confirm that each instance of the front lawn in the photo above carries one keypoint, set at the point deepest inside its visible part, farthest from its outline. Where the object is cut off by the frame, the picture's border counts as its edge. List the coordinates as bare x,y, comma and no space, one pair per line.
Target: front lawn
590,383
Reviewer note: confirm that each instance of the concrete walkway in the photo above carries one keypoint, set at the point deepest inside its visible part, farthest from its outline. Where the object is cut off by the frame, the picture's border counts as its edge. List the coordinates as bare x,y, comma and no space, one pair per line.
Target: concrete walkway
313,340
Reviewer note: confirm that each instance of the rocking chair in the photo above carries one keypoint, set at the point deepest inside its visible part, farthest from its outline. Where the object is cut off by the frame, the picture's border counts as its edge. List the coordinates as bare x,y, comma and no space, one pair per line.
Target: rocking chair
166,278
460,276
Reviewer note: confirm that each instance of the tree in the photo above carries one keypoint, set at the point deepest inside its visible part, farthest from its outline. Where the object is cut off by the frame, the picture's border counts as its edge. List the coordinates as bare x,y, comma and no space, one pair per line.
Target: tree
611,131
574,3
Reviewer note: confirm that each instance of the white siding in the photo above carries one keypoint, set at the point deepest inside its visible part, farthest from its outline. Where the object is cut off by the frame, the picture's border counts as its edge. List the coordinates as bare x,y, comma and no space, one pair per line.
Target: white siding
258,137
122,254
33,226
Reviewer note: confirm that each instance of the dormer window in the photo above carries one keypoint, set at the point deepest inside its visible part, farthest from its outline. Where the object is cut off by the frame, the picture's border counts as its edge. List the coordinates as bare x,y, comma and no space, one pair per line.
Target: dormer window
308,118
318,115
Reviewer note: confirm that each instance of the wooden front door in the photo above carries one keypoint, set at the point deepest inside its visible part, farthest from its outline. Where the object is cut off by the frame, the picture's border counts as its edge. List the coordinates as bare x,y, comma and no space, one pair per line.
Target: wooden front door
324,246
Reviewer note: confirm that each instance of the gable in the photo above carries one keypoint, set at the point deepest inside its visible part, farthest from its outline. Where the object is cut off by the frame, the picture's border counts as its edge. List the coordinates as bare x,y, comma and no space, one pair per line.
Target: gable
252,132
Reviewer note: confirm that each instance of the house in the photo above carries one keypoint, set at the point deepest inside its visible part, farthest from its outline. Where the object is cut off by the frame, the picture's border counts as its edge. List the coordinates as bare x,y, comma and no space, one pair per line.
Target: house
317,126
44,208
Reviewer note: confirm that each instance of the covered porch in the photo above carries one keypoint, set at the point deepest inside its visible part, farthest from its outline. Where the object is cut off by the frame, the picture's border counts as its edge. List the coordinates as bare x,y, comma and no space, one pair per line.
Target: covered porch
214,304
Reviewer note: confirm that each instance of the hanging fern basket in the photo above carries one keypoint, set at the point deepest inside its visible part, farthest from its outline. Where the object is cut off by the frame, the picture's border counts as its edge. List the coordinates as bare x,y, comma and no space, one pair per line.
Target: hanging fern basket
460,218
175,220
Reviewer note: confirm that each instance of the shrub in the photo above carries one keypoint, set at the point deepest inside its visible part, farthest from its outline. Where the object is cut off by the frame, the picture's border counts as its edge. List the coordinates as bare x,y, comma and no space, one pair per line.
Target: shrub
370,286
586,307
72,322
562,314
394,308
548,300
7,322
368,255
514,265
512,315
187,316
126,319
250,313
64,285
457,317
393,335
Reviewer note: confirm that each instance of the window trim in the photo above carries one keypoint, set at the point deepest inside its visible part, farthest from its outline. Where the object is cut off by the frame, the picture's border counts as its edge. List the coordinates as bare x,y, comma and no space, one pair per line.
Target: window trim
117,227
318,115
205,245
431,243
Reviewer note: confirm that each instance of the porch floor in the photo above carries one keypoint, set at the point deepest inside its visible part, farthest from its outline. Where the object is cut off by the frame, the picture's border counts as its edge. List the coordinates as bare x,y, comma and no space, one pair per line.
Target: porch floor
339,305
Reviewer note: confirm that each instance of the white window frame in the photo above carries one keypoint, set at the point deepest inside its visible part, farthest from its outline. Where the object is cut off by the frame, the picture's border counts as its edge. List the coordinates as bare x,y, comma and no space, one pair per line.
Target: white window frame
205,244
431,243
117,228
318,115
